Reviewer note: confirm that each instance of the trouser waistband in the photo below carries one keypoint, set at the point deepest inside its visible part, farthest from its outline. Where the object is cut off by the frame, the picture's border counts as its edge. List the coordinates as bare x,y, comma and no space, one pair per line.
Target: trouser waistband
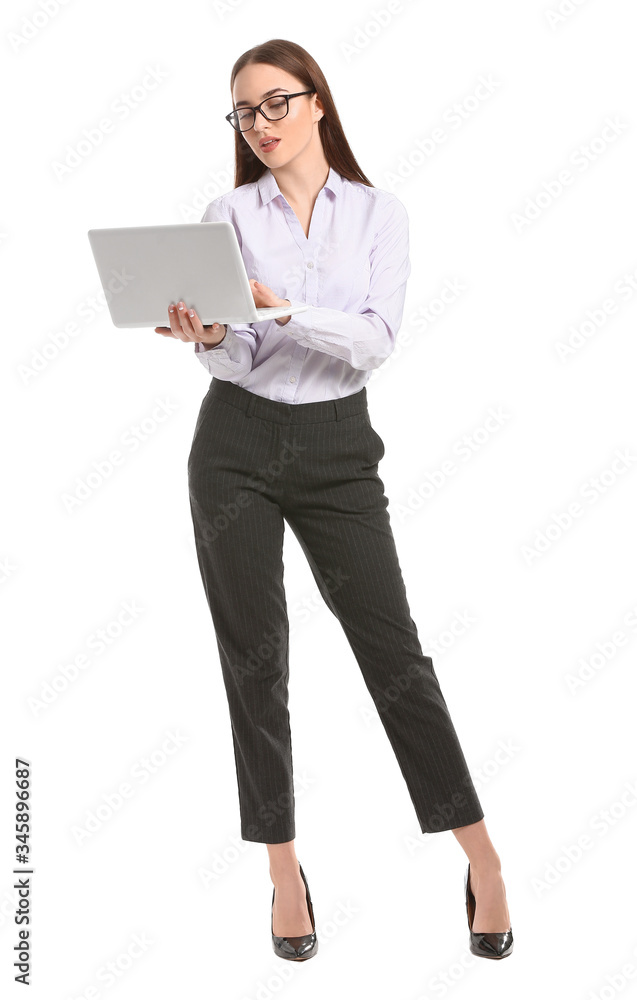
289,413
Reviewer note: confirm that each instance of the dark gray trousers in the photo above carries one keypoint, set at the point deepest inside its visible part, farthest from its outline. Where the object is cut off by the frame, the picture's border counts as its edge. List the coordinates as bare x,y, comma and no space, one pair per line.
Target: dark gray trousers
254,464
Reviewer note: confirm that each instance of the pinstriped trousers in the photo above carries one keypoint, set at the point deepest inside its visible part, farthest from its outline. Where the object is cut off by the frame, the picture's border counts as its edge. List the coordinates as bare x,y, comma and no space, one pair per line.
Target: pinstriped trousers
256,464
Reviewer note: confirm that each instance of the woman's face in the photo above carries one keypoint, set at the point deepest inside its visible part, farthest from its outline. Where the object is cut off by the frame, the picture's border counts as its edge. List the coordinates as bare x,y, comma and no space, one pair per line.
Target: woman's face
295,131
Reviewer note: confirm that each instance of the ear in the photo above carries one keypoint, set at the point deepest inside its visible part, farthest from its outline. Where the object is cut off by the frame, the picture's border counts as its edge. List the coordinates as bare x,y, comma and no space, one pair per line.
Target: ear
318,106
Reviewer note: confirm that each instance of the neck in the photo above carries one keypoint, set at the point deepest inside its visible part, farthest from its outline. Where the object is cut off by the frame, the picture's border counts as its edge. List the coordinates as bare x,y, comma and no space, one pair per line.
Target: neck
301,180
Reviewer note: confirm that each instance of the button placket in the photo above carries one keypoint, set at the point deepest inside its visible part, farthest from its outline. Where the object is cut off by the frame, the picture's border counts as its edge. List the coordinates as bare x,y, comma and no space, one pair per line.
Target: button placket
307,246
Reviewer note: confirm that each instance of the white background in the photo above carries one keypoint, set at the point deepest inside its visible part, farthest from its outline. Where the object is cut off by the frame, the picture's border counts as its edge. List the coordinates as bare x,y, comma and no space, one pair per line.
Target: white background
536,263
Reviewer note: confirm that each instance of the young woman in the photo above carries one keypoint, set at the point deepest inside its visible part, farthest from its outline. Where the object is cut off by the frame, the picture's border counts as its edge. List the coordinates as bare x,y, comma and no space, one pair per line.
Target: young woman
284,435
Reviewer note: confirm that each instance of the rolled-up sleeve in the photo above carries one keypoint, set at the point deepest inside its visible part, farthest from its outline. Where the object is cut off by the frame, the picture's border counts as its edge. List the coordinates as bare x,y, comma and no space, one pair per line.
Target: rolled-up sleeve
365,339
233,357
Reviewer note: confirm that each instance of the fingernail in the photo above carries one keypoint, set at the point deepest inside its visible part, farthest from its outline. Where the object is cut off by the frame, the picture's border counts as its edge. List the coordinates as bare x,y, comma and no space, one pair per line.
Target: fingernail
171,309
191,312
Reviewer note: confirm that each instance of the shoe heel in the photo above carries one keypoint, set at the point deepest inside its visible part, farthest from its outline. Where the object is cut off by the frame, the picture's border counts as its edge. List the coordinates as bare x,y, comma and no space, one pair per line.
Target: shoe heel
302,946
497,944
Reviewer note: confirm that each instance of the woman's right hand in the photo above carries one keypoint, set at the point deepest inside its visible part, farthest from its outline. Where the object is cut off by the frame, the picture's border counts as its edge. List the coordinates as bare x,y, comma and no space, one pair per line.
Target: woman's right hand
186,325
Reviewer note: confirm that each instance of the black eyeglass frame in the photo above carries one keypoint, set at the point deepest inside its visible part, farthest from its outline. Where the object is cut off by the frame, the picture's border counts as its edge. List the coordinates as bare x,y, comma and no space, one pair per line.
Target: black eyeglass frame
272,97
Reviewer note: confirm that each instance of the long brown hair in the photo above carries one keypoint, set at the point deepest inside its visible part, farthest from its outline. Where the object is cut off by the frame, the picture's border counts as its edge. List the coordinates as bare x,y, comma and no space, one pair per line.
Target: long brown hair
296,60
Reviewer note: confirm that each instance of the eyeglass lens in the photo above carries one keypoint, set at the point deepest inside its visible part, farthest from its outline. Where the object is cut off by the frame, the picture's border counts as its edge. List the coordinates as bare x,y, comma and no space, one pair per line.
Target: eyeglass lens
243,118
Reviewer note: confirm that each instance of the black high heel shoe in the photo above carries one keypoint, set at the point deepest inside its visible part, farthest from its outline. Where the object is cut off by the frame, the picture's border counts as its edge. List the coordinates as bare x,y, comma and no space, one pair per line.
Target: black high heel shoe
301,947
497,944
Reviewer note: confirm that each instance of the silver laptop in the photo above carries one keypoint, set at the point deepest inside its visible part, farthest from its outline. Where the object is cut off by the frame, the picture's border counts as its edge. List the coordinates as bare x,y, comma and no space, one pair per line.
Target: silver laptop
144,268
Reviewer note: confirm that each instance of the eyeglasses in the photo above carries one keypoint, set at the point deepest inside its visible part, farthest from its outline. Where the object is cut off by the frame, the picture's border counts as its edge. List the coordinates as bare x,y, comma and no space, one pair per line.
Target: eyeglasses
276,107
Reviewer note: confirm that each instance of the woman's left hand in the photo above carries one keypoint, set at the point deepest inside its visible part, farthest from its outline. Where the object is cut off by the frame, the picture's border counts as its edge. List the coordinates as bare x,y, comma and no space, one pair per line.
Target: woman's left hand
264,297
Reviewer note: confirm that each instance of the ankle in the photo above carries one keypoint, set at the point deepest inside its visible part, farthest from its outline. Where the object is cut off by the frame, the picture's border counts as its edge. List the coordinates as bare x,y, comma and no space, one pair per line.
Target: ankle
488,865
284,877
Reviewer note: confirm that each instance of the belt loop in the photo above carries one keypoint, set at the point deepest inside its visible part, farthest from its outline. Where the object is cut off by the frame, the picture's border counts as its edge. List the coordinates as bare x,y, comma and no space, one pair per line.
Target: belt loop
336,408
251,403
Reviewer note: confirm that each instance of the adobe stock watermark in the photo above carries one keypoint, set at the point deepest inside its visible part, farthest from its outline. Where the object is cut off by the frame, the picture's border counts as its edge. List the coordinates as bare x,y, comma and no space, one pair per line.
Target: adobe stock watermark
592,490
223,8
88,310
426,315
451,975
402,682
96,644
222,860
111,803
284,283
615,982
555,16
296,273
121,108
581,159
493,766
444,815
421,320
453,118
130,441
601,654
490,769
596,317
303,610
463,451
378,20
32,24
272,983
7,569
601,823
208,529
275,641
112,971
217,182
254,661
269,811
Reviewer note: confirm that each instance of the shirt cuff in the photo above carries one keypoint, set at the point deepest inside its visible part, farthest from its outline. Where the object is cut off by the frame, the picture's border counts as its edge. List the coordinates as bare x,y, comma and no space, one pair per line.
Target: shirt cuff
300,322
228,341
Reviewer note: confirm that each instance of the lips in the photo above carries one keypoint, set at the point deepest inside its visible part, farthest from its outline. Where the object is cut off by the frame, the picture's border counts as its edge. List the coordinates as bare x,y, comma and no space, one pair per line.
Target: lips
269,143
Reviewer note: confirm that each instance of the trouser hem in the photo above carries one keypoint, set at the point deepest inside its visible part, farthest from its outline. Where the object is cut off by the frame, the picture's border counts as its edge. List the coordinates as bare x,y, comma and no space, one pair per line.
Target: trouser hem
263,837
452,823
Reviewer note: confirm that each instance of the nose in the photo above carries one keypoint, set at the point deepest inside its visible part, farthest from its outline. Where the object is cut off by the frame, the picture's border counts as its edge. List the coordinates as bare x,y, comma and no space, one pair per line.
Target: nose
259,121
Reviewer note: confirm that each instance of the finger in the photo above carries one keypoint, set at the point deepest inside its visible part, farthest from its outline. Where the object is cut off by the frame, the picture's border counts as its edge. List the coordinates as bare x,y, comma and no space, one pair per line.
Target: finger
214,327
196,325
264,295
187,321
258,294
174,315
198,329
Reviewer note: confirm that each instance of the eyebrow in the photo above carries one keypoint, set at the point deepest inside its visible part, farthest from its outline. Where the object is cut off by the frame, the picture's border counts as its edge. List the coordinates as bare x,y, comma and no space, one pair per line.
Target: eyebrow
268,93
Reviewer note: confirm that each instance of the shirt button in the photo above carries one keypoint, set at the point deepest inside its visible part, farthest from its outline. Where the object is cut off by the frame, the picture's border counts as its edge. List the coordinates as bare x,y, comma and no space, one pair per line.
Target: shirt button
293,378
310,263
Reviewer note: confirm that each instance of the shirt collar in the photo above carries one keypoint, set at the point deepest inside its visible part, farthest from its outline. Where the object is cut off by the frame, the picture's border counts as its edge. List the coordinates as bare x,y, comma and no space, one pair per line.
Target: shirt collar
269,188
